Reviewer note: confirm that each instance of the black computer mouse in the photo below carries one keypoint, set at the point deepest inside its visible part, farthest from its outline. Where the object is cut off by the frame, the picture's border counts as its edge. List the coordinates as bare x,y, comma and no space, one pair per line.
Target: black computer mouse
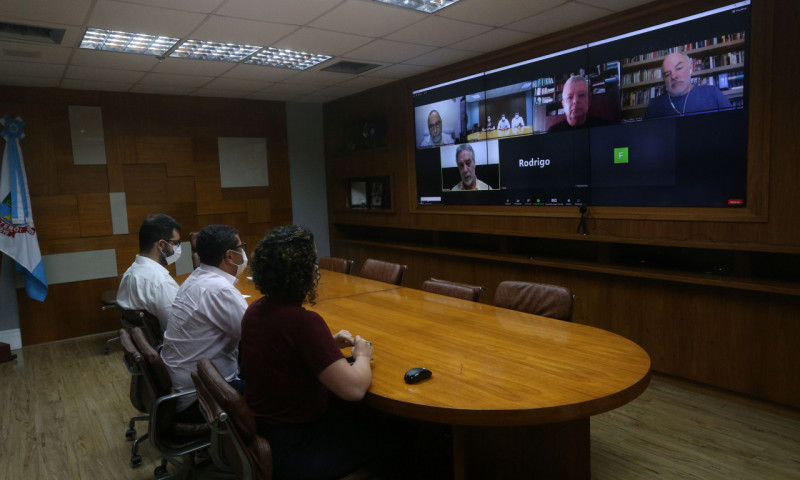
417,374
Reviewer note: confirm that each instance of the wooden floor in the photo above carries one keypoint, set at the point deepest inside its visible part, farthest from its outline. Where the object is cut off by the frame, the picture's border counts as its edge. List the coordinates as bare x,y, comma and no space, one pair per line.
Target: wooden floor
64,410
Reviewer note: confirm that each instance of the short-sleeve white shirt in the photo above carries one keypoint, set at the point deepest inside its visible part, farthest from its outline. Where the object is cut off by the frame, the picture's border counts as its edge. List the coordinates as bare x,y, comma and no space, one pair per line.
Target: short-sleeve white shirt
206,322
147,285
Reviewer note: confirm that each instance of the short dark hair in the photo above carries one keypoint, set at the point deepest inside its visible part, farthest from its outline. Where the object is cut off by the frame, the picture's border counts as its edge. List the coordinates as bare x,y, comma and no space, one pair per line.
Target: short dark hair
154,228
213,241
283,265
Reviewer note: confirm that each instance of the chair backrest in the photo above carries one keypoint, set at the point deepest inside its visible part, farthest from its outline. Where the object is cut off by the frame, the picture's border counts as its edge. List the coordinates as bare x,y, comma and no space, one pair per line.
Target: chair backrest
463,291
336,264
193,243
235,443
537,298
383,271
169,437
133,361
144,320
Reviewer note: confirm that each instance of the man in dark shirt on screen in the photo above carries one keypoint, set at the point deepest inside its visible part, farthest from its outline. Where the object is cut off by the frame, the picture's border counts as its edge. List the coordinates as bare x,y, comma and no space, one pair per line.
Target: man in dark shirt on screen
576,99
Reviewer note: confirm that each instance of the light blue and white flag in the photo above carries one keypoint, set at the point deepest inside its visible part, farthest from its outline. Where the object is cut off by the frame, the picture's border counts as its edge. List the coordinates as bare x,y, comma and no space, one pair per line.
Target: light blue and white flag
17,234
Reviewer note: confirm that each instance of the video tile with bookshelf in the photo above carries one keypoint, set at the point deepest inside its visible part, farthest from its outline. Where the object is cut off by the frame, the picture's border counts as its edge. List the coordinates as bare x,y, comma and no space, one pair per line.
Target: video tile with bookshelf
655,117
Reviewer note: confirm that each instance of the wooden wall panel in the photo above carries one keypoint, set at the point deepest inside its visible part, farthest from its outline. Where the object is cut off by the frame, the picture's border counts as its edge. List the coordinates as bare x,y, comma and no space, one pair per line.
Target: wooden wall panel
94,211
158,150
55,216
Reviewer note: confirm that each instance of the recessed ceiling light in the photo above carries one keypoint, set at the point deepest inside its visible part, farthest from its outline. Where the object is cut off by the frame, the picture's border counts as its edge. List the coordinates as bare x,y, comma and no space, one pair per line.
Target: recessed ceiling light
202,50
113,41
427,6
275,57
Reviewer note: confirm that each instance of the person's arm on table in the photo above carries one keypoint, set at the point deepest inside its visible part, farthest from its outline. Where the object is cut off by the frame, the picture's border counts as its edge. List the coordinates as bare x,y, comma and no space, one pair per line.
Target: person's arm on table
350,382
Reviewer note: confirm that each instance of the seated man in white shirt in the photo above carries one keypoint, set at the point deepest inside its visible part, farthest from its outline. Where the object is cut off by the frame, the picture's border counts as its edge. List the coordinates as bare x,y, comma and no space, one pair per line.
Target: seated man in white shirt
503,123
517,121
206,318
147,284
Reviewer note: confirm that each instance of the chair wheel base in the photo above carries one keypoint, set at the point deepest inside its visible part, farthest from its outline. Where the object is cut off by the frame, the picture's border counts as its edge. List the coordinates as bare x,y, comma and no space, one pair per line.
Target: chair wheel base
160,471
130,434
136,460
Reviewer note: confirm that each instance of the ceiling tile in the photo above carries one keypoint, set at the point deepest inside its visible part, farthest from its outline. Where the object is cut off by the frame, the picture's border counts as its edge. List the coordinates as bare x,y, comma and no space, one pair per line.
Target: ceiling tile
201,6
170,80
320,78
95,84
313,40
374,19
14,68
272,96
497,12
106,74
438,31
366,82
243,86
616,5
219,93
442,56
26,52
558,18
292,12
237,30
31,81
398,70
245,71
99,58
388,51
143,19
495,40
71,12
192,66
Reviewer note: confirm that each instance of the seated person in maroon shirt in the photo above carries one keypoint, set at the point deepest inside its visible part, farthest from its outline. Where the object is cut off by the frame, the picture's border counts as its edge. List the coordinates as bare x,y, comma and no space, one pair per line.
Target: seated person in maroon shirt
296,374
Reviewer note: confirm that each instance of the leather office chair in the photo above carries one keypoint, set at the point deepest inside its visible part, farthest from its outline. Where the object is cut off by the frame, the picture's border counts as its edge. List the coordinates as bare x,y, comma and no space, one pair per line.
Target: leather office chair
383,271
177,442
195,255
463,291
336,264
133,361
550,301
236,447
108,300
146,321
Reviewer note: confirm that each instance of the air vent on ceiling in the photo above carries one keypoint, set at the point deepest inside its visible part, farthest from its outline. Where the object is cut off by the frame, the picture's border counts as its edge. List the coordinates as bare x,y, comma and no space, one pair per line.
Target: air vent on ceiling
350,67
30,33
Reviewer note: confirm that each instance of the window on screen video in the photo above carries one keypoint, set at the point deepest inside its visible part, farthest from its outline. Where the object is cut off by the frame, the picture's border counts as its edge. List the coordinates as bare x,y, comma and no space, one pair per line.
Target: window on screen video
654,118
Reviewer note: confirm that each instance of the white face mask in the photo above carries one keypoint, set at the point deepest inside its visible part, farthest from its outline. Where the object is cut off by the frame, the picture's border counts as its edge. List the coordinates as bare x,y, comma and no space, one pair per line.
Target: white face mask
176,254
240,267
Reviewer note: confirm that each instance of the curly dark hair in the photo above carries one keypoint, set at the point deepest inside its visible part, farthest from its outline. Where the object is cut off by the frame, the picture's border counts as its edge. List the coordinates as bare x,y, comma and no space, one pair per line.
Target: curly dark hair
284,265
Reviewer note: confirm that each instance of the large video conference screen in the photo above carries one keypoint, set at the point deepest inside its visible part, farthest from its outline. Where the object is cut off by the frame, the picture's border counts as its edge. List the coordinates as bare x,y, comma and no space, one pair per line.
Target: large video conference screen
656,117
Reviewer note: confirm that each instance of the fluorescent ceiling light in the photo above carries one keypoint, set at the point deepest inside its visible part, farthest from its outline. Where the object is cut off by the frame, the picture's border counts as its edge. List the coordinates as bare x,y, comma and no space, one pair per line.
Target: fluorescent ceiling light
427,6
97,39
274,57
202,50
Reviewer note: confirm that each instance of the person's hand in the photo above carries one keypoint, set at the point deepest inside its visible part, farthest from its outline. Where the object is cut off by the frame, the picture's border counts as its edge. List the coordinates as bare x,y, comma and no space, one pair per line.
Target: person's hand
362,348
344,339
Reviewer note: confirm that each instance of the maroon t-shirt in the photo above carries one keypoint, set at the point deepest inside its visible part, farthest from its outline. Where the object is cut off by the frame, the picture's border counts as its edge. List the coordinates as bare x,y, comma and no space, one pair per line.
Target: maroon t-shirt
284,349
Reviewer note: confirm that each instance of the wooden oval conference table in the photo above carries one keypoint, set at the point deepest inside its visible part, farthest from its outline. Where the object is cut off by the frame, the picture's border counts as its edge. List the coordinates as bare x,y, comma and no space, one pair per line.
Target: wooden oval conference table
518,389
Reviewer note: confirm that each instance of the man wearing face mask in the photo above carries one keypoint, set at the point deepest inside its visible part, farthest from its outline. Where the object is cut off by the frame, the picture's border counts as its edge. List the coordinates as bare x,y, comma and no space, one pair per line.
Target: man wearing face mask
206,317
147,284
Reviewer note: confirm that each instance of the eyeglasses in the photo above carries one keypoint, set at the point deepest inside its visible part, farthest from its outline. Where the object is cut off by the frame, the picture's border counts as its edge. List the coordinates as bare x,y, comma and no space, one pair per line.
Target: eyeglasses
174,243
242,245
435,125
